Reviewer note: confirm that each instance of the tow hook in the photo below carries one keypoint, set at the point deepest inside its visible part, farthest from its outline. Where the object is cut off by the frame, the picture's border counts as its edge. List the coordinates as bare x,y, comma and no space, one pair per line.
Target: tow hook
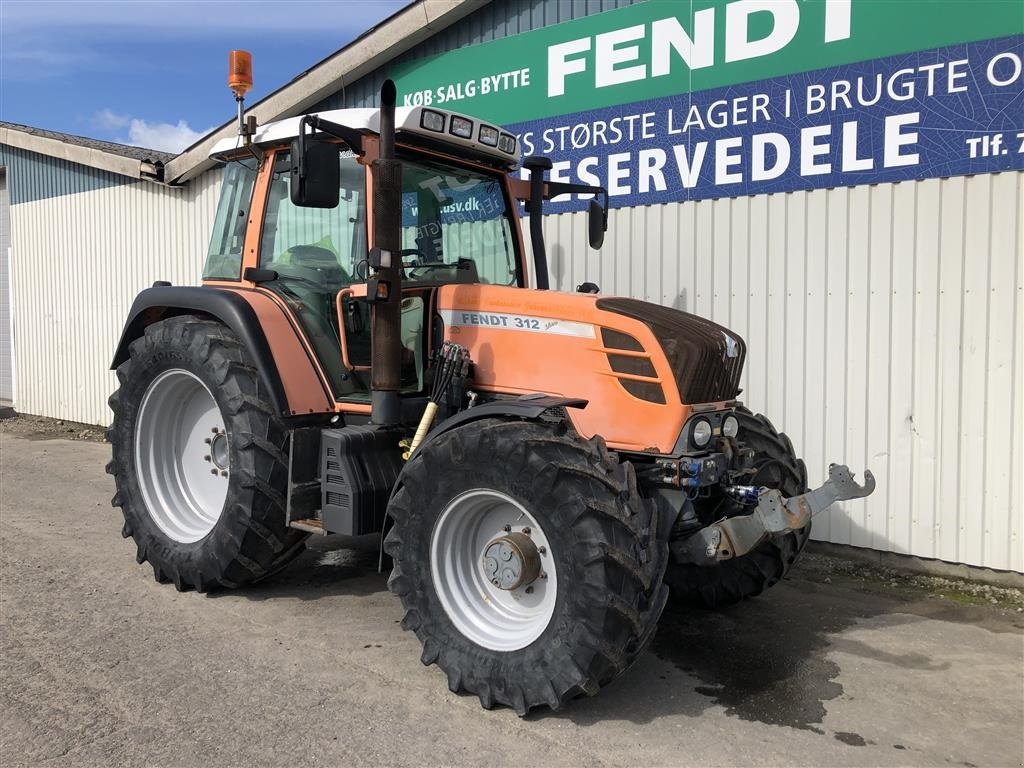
774,514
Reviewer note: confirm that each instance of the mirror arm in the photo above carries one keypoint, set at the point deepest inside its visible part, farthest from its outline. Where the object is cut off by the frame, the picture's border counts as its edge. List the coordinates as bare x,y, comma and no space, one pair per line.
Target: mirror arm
352,137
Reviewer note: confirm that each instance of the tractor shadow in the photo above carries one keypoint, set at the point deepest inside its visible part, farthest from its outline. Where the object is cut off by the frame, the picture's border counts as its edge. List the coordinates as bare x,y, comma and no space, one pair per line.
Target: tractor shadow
765,660
330,566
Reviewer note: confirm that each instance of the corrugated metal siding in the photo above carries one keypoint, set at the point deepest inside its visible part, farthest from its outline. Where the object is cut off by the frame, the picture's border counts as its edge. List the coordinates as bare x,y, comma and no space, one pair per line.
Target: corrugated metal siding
497,19
77,263
33,176
883,326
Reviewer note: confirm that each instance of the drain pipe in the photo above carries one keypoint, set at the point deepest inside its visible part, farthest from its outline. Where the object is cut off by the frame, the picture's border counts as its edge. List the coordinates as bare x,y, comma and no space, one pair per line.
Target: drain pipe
384,289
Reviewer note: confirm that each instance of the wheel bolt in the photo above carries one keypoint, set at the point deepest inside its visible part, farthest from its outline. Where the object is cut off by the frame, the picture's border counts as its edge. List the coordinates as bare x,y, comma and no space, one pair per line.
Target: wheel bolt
543,575
529,590
507,529
213,471
543,550
207,440
526,531
215,430
223,473
207,458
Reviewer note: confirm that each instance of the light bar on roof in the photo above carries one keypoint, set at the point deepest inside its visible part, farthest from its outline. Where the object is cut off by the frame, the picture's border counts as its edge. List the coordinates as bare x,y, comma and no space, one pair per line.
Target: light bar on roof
507,143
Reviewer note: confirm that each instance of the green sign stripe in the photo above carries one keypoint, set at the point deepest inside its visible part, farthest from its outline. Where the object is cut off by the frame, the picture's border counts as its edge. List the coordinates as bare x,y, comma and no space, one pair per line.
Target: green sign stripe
508,80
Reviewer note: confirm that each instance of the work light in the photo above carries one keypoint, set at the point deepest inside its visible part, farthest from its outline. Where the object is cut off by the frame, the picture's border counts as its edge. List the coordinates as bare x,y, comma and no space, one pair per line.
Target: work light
461,127
488,135
432,121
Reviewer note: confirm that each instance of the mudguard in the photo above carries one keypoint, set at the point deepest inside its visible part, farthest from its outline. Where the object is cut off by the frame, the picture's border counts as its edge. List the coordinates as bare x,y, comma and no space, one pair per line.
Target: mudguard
527,407
229,307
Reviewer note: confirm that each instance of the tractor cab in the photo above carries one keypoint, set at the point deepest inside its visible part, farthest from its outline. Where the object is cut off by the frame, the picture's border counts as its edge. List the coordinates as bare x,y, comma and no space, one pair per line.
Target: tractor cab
311,247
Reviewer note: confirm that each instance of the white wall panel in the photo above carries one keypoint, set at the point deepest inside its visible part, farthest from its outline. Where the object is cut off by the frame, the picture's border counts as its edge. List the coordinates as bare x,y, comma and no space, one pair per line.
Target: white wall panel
78,261
883,326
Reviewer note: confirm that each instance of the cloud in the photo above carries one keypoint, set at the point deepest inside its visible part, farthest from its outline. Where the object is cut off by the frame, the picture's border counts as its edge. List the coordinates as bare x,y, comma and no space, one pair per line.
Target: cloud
166,137
108,120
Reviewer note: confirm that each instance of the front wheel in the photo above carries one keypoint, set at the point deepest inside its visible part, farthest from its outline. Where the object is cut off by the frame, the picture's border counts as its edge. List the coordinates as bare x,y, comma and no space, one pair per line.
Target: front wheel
526,561
199,458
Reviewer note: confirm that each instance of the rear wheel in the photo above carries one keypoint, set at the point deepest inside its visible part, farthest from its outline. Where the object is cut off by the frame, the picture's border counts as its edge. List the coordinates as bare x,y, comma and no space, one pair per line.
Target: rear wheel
775,466
199,458
526,561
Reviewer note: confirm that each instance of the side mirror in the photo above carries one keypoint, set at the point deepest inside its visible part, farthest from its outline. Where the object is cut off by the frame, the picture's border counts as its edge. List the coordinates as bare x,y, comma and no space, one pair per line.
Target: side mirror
597,223
316,173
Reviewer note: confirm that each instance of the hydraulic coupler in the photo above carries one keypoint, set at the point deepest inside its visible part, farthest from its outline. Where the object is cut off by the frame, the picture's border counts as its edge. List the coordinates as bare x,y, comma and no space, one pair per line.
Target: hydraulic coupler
774,514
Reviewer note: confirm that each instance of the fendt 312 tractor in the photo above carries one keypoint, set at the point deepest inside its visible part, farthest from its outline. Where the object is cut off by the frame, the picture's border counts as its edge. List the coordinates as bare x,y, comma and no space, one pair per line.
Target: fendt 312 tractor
365,355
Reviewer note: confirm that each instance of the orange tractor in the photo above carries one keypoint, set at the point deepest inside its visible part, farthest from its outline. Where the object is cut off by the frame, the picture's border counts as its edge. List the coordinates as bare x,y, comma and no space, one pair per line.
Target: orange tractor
365,355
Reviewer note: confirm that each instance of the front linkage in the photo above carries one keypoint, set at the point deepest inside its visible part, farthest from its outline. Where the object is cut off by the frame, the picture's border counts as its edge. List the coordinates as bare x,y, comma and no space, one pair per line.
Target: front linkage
774,514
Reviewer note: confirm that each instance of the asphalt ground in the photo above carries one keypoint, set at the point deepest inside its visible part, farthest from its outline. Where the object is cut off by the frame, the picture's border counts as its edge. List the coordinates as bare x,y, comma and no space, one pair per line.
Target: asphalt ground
100,665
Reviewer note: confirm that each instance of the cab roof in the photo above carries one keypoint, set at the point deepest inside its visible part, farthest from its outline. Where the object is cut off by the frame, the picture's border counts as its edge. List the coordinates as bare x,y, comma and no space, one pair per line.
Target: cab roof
408,122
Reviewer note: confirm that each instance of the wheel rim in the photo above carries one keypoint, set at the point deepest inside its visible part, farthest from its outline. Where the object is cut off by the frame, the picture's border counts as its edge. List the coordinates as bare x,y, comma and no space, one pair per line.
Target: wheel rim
495,618
182,456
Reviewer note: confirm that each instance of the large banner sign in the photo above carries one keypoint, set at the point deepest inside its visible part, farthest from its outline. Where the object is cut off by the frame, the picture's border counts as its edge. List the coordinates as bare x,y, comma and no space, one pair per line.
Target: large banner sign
671,101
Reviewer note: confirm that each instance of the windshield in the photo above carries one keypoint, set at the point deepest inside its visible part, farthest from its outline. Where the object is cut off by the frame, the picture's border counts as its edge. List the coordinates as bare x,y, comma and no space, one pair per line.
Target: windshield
455,226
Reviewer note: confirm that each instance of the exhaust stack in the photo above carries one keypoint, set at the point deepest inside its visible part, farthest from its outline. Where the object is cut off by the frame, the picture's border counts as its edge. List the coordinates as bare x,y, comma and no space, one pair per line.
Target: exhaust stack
385,289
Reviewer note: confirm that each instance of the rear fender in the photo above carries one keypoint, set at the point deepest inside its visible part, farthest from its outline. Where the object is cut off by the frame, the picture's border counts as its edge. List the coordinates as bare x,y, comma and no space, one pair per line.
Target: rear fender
292,380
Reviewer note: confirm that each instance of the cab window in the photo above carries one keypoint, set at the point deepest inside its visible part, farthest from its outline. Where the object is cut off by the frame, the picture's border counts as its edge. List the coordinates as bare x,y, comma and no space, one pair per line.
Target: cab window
224,258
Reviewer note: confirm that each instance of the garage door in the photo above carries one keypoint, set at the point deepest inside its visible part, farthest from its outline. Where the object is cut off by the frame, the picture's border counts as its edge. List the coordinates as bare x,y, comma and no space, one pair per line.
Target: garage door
6,339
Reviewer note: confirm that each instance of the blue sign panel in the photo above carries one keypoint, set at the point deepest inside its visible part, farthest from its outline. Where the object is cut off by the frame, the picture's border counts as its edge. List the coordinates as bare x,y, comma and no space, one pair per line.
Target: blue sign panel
945,112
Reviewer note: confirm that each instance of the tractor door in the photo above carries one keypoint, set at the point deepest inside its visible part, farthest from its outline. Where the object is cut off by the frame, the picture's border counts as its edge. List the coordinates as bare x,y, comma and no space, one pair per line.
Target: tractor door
315,253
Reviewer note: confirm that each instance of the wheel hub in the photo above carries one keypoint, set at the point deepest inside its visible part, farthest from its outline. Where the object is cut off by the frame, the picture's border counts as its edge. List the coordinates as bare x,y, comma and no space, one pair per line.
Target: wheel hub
219,450
511,561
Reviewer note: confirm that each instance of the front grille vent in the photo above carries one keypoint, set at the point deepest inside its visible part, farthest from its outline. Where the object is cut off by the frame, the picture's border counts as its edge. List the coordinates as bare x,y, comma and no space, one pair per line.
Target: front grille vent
636,364
706,359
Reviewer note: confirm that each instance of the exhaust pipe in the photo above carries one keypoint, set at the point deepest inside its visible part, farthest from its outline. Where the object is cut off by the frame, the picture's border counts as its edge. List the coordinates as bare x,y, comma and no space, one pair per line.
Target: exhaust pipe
386,285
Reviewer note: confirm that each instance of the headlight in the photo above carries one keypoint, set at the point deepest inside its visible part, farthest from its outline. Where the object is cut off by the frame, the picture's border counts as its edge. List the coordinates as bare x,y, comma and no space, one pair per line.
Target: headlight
701,433
731,426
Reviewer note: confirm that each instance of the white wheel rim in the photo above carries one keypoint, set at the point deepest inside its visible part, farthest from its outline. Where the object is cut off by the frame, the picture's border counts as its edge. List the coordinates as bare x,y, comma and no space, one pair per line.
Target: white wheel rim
182,456
497,619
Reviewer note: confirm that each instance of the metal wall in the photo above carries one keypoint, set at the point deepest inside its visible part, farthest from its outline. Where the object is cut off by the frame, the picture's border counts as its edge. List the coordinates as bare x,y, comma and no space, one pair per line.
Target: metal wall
883,326
7,393
78,260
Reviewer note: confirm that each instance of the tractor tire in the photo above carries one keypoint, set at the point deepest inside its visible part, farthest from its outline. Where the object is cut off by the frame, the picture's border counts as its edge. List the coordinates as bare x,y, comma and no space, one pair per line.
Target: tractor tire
199,459
776,466
596,603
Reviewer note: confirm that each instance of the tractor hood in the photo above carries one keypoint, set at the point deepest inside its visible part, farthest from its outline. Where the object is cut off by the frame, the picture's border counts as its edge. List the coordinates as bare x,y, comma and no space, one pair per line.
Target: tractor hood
640,366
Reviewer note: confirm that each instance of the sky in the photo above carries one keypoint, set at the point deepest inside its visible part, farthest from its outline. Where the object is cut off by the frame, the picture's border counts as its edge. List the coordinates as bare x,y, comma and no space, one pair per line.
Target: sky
153,73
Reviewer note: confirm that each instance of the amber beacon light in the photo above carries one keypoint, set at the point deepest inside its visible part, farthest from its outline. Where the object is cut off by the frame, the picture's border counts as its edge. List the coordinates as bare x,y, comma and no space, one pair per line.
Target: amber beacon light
240,73
240,81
